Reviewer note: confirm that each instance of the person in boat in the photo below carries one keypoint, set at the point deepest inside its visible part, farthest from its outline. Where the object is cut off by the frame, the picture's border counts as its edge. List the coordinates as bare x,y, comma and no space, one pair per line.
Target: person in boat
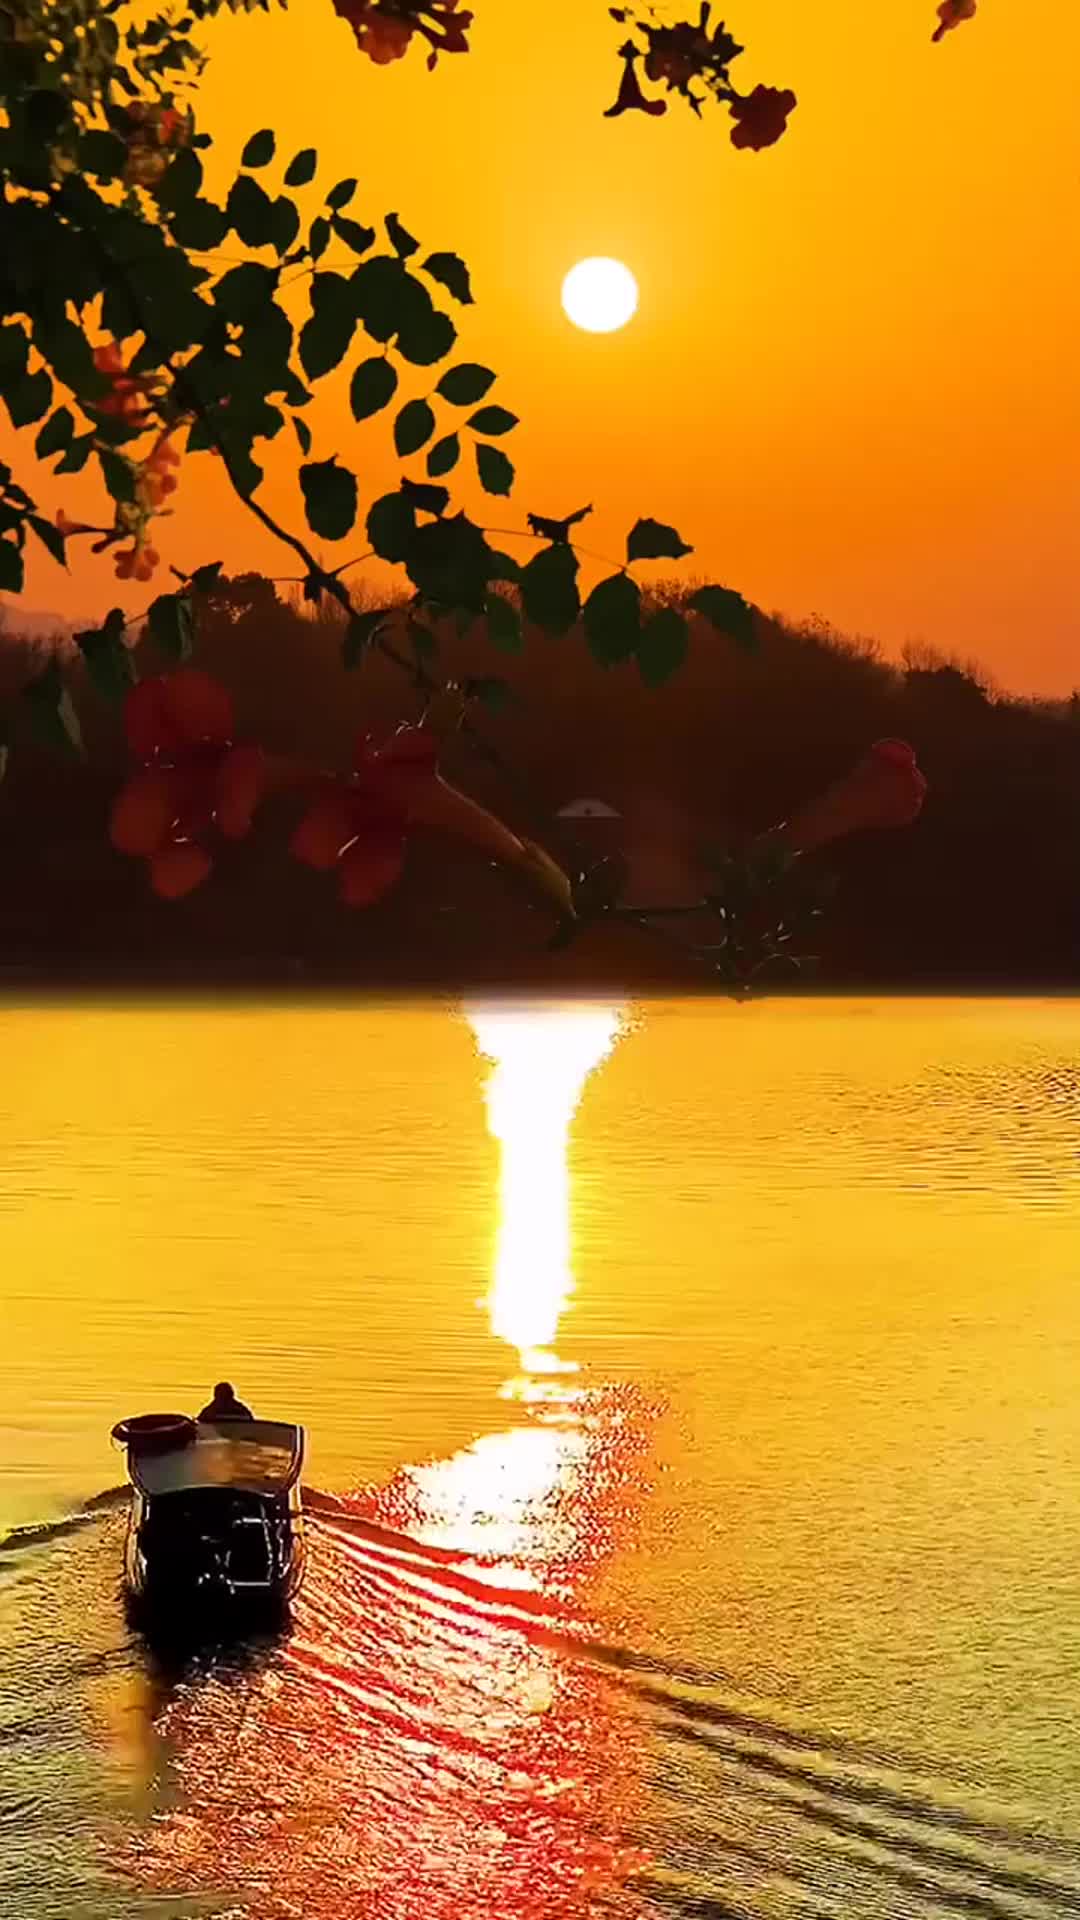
225,1406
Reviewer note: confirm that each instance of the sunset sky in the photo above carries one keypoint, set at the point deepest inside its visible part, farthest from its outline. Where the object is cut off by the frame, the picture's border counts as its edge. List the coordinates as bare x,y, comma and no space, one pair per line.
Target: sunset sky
853,378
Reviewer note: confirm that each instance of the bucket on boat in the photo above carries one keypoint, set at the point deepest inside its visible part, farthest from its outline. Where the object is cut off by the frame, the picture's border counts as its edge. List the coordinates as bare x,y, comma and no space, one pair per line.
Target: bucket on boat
155,1432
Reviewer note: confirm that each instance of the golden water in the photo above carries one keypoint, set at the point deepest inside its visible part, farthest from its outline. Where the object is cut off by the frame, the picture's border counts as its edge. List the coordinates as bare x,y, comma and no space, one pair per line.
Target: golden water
722,1361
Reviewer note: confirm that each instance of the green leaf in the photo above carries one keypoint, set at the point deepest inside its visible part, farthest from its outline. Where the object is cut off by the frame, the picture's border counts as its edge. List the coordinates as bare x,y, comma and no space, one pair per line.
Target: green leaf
662,647
651,540
360,633
50,536
302,432
260,149
414,425
251,212
108,661
29,398
549,590
355,236
329,498
504,624
612,619
199,225
301,169
11,567
463,386
245,290
444,455
340,195
55,434
492,420
118,474
391,525
729,613
495,470
425,498
171,619
327,336
373,386
402,242
452,273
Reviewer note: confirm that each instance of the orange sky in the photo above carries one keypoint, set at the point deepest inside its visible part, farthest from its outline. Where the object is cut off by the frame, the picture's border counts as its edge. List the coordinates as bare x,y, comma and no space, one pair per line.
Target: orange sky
853,380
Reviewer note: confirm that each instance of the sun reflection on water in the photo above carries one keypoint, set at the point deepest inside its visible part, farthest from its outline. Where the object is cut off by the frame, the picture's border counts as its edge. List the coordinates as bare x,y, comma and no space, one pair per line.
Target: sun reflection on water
540,1060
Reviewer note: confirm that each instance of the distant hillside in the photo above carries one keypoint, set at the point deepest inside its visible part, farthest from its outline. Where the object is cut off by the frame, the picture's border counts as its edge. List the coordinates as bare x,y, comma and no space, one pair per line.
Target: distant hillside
983,891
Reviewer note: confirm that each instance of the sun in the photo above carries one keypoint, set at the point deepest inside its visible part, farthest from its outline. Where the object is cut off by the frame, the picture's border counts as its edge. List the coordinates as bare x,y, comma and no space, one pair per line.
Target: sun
600,295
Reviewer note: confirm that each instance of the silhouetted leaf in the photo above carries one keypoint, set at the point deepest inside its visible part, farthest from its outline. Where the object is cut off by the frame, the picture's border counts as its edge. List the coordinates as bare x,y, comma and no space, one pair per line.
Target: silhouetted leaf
380,292
502,567
463,386
340,195
109,662
355,236
103,154
426,499
391,525
495,470
549,590
452,273
650,540
199,225
117,474
360,632
728,612
504,624
29,398
244,290
402,242
77,455
611,617
326,337
205,578
373,386
171,618
302,432
318,237
250,211
425,335
301,168
11,567
444,455
50,536
414,425
329,498
447,563
492,420
662,647
286,223
55,434
259,150
48,702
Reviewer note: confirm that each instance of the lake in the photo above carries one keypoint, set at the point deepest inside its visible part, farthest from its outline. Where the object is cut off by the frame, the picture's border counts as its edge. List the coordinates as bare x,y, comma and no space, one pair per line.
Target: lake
720,1364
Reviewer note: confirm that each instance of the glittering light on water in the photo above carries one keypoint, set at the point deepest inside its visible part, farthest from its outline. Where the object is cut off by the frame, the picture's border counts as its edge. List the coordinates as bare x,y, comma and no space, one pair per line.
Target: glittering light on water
541,1058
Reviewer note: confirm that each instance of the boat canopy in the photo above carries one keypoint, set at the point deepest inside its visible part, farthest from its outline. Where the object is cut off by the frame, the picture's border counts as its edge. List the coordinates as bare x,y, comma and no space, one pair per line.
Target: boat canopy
250,1456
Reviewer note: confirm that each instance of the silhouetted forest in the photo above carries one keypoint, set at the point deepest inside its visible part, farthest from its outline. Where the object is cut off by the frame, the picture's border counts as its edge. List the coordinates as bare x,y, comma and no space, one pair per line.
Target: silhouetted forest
982,892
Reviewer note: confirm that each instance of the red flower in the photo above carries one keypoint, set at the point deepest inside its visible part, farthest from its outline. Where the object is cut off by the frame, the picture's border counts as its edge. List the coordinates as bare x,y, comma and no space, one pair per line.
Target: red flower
191,779
136,562
126,397
885,789
952,13
630,97
359,827
760,117
384,32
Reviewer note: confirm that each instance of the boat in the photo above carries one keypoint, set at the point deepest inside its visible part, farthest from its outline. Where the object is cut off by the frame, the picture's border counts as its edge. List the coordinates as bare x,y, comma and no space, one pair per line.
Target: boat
216,1529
